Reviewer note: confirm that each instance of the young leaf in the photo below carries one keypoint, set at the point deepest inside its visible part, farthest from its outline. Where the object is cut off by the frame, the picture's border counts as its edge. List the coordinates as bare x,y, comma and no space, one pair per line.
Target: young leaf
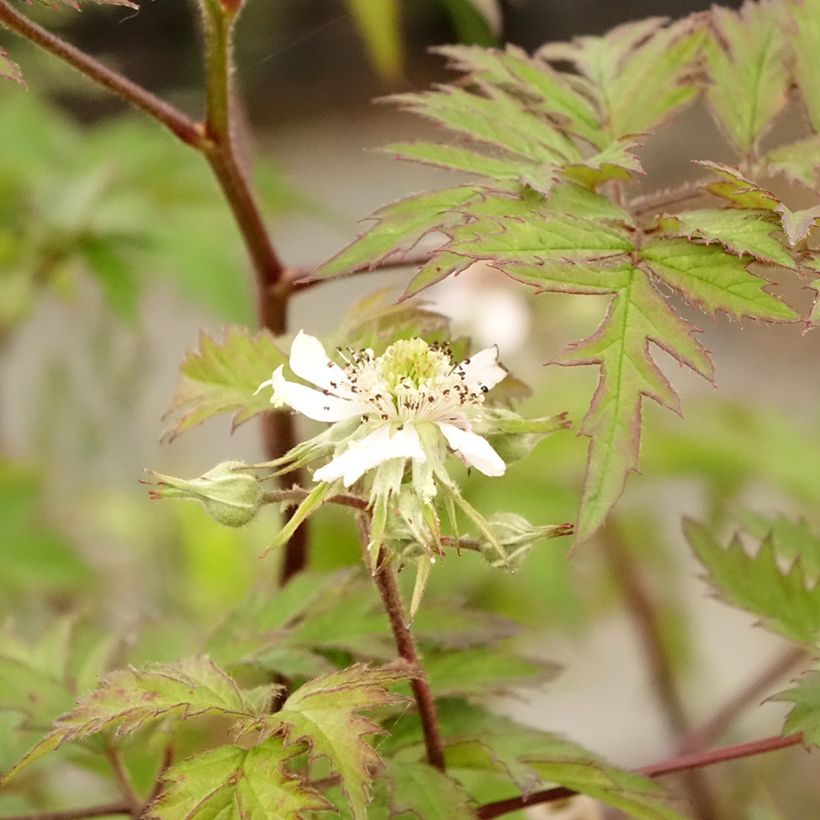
232,783
532,78
743,193
791,538
803,36
745,54
324,713
638,73
805,714
9,70
223,376
786,599
497,120
379,25
741,231
713,279
127,699
399,227
426,792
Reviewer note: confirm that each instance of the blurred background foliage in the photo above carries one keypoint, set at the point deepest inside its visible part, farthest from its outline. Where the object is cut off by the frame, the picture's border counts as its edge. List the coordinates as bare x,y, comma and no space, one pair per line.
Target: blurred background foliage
103,216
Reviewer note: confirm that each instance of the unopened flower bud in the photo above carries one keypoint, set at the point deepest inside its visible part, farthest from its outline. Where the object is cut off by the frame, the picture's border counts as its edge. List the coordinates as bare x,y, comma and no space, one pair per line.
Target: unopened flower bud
516,536
229,495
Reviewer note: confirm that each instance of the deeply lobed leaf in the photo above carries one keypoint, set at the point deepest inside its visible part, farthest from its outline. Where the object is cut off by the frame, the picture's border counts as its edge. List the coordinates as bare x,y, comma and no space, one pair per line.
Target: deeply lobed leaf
324,713
127,699
638,73
233,783
749,79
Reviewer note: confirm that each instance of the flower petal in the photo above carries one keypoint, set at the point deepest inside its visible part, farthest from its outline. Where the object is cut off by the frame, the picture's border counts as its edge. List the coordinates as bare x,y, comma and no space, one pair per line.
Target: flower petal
311,403
309,361
379,446
482,369
476,451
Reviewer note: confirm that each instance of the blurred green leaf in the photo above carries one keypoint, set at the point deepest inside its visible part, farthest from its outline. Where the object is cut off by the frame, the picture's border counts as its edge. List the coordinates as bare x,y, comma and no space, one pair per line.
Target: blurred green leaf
476,21
787,599
379,25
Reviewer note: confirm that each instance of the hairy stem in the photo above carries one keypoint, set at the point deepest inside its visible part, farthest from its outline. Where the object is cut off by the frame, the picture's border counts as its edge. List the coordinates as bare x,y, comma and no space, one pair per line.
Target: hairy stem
749,695
190,132
679,763
385,582
642,610
272,286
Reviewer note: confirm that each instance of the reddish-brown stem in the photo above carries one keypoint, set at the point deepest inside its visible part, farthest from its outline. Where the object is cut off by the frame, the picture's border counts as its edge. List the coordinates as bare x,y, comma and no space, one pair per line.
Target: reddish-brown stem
680,763
186,129
749,695
302,278
668,198
124,781
272,287
386,584
641,609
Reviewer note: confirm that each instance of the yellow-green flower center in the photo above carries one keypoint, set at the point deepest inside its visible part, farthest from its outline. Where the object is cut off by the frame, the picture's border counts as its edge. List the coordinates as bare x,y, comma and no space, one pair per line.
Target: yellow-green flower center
413,361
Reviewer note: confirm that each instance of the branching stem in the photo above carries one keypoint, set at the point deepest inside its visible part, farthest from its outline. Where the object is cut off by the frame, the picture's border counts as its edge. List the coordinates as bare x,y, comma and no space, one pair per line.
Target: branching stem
190,132
385,582
680,763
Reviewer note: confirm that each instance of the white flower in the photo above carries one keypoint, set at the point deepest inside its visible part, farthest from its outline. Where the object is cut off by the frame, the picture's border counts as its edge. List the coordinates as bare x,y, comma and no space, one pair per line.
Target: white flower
399,397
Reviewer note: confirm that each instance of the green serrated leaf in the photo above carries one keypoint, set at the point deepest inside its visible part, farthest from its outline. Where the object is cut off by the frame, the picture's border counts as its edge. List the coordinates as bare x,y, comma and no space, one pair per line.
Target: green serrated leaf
742,231
797,160
502,238
637,316
639,73
803,35
439,267
514,70
399,227
745,54
378,22
497,120
426,792
787,600
457,158
127,699
231,783
713,279
805,714
324,713
221,377
615,162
